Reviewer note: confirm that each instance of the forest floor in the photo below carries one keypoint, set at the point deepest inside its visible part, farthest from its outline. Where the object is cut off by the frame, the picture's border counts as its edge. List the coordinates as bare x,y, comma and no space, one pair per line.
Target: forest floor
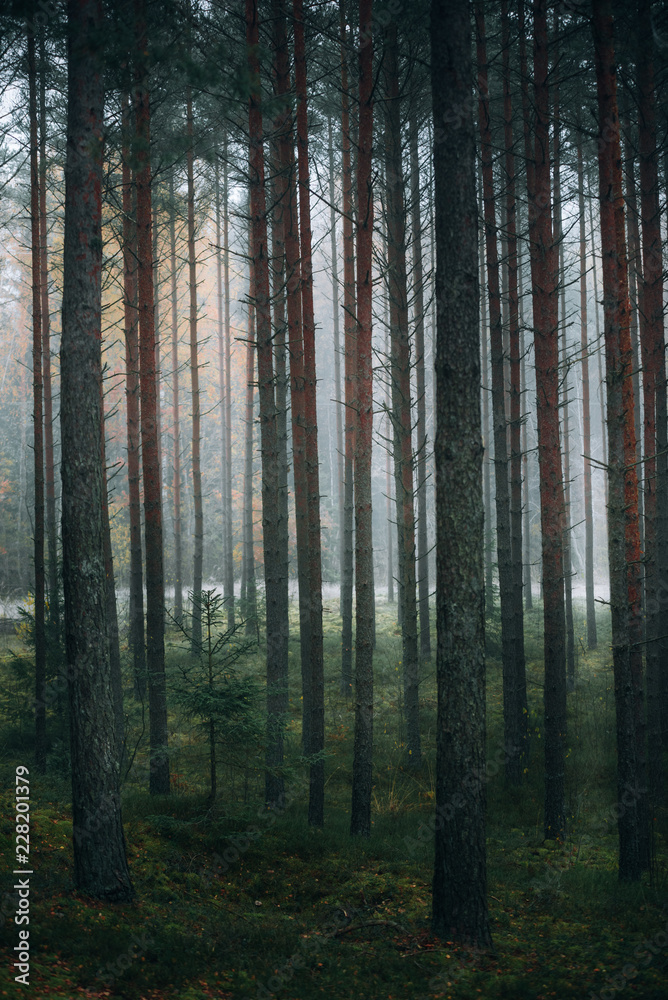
296,913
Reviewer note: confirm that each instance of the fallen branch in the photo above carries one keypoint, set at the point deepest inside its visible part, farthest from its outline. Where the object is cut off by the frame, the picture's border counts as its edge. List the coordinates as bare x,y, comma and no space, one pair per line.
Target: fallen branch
370,923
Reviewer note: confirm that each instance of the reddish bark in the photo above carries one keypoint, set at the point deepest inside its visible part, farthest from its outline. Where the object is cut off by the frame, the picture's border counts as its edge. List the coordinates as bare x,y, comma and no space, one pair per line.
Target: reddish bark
360,820
635,302
515,387
654,389
38,434
546,346
316,676
155,586
623,537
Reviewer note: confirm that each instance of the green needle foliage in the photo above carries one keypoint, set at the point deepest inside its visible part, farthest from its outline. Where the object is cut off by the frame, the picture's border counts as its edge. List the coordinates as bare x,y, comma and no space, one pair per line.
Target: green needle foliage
222,704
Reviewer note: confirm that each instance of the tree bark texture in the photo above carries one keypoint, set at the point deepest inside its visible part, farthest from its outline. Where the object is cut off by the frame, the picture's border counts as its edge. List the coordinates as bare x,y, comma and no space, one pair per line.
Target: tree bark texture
515,403
586,417
565,412
287,196
155,584
100,865
350,341
176,413
275,582
38,418
49,463
654,393
198,549
459,907
136,632
623,538
360,820
422,441
544,271
400,375
513,717
316,667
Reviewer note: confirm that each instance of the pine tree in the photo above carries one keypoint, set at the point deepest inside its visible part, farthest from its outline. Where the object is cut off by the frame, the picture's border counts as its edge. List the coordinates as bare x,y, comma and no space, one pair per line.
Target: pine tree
100,865
459,907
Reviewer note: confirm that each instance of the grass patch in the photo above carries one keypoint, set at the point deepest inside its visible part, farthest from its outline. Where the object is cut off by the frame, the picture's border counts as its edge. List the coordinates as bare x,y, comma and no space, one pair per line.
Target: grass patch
296,913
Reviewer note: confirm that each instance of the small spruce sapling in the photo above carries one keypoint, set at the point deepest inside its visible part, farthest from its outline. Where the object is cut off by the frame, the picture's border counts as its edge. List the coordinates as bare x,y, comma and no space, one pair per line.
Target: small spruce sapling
223,704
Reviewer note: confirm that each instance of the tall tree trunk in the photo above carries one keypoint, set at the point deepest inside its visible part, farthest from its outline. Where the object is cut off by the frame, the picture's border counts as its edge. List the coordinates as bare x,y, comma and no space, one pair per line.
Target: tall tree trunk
136,637
654,389
337,349
316,675
561,312
156,321
286,193
248,588
623,539
221,358
360,819
546,346
514,720
515,393
635,303
566,428
100,865
459,908
198,552
229,547
401,389
176,413
486,436
586,417
277,687
275,581
281,381
526,534
601,381
50,478
349,339
116,677
38,421
155,581
391,518
421,465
